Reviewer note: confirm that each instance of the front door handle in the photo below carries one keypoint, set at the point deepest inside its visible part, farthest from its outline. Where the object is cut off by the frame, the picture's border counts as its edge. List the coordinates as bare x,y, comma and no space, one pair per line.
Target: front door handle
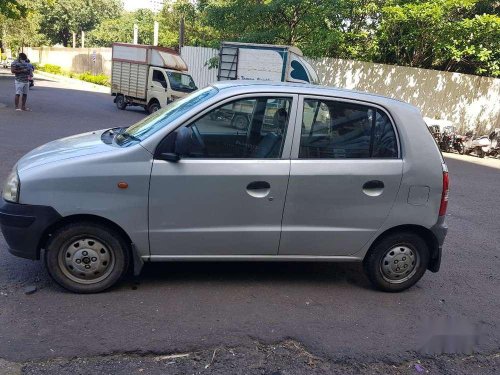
373,188
258,189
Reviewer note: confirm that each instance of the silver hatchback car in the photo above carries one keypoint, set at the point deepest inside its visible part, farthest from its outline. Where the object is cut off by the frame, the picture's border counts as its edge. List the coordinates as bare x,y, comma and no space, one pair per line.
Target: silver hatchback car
306,173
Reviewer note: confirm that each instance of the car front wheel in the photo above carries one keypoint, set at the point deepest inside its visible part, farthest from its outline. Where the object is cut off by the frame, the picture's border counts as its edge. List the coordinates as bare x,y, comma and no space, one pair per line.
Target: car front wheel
86,257
397,262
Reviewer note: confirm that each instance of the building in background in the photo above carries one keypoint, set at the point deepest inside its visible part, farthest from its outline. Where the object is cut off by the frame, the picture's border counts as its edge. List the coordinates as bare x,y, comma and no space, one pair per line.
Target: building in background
154,5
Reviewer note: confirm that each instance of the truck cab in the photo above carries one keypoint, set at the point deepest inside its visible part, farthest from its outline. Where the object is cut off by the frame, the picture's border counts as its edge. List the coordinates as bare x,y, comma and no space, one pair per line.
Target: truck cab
167,85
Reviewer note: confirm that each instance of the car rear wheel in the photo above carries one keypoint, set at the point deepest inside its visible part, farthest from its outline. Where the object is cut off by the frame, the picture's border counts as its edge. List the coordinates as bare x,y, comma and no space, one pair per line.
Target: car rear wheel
86,257
397,262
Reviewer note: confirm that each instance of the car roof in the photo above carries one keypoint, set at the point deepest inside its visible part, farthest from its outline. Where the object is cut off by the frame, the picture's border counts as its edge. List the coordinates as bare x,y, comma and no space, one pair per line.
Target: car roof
309,89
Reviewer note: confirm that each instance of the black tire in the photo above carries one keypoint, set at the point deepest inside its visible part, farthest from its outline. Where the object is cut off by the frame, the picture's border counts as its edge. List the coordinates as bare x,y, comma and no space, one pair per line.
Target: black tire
153,107
63,242
378,255
120,102
461,149
240,122
480,152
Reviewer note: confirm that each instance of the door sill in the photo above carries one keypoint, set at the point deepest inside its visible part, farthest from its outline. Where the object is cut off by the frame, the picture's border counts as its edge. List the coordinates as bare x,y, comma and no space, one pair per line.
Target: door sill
250,258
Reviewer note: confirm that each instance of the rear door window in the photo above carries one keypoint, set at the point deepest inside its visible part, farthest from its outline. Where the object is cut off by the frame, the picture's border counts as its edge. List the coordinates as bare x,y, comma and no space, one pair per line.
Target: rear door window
344,130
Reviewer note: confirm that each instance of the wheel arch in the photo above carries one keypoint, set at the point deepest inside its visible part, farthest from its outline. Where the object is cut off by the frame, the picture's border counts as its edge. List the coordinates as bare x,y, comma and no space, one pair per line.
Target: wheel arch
83,218
425,233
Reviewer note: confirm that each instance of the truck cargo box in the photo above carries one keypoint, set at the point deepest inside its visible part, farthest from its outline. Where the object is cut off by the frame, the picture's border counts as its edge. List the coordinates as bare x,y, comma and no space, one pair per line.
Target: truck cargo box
264,62
148,55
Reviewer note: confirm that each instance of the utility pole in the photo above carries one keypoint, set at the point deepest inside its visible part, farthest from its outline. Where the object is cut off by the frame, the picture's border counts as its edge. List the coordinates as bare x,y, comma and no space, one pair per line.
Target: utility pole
74,40
83,39
136,33
181,34
155,34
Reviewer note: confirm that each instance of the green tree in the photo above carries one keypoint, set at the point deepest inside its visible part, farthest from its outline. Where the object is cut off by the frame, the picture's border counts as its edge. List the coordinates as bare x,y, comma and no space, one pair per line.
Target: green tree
443,34
196,30
12,9
121,29
16,32
62,18
300,23
473,46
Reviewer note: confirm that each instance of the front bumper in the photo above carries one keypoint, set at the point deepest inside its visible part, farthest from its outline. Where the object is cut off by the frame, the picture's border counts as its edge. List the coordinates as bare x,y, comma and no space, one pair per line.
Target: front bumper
439,230
23,226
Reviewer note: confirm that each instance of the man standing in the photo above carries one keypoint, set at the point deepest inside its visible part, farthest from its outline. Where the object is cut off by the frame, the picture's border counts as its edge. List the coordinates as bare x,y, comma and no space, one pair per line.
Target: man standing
22,71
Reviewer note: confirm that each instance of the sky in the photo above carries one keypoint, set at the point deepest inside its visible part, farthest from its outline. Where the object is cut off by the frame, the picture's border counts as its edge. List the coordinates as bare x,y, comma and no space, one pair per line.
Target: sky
131,5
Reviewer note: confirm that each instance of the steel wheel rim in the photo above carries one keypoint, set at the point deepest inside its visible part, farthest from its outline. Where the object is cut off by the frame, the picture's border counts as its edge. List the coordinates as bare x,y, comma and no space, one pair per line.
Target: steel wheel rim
240,123
86,260
399,264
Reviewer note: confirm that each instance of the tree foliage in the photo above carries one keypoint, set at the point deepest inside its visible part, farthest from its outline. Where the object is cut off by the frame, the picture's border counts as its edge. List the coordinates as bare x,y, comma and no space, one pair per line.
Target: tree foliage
121,29
62,18
442,34
12,9
453,35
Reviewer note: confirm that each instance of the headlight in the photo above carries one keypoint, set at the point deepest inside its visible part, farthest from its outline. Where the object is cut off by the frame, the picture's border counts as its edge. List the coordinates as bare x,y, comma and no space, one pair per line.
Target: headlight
11,188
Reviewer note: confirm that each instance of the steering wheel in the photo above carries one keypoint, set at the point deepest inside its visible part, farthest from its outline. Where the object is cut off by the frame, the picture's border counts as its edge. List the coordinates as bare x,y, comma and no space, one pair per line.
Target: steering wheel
199,139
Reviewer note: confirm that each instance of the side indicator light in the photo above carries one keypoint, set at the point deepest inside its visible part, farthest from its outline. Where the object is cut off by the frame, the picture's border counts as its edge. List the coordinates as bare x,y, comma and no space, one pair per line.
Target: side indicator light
122,185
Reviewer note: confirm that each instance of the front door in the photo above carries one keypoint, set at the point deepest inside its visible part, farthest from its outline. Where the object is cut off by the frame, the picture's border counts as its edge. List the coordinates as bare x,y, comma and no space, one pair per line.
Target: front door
345,174
158,86
225,196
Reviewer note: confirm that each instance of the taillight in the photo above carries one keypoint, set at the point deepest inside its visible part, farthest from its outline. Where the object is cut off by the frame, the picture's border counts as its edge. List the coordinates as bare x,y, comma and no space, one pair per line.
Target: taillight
444,195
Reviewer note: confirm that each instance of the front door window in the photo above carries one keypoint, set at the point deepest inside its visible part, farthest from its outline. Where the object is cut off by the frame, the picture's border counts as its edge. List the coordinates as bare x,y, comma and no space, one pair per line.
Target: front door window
251,128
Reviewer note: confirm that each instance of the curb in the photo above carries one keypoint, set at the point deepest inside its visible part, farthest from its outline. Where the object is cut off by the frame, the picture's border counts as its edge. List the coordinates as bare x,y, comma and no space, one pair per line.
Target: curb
87,86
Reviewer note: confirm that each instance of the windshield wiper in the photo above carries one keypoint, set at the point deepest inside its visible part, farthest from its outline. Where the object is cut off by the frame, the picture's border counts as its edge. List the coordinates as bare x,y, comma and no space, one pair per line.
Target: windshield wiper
129,136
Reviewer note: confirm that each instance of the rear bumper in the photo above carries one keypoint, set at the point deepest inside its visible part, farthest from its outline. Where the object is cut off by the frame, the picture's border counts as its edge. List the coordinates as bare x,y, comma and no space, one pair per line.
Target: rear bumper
23,226
439,230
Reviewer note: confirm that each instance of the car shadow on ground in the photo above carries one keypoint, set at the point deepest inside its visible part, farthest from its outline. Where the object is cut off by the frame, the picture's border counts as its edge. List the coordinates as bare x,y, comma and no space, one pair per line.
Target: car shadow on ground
306,273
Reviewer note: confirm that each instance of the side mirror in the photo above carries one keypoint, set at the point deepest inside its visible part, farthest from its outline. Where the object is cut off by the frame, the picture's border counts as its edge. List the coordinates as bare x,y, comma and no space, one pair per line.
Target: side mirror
175,145
169,156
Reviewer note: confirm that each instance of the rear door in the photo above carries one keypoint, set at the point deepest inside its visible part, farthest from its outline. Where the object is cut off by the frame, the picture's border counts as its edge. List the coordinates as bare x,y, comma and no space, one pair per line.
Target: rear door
345,173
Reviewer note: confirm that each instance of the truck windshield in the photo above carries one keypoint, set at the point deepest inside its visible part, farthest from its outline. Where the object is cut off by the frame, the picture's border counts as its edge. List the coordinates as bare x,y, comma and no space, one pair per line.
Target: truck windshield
159,119
181,82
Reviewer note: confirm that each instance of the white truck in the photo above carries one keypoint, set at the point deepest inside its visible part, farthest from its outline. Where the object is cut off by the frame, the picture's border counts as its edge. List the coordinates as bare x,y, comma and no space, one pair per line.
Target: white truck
264,62
148,76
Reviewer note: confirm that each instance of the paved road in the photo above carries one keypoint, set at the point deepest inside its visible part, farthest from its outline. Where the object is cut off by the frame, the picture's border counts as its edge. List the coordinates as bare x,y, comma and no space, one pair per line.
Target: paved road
329,309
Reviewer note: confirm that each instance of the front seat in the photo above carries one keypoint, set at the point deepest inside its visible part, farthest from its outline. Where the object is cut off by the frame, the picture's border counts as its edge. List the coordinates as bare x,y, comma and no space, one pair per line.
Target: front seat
270,145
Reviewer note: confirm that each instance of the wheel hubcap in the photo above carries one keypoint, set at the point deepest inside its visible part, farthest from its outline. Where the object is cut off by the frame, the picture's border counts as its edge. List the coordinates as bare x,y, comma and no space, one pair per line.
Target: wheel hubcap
399,264
86,261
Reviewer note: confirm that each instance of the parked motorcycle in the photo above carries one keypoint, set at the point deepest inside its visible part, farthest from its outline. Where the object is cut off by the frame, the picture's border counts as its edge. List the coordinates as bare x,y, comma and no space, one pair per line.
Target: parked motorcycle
447,139
494,138
479,145
458,144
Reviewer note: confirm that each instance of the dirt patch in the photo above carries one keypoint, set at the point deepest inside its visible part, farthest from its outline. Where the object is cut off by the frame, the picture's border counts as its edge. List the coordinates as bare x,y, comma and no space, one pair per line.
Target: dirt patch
286,358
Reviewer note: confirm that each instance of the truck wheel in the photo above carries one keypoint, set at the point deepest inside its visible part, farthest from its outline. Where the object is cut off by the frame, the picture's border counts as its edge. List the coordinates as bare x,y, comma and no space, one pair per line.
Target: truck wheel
86,257
153,107
240,122
120,102
397,262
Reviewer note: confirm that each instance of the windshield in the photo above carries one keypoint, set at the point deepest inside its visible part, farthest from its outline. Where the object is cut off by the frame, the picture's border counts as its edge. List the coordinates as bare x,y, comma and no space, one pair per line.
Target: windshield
159,119
181,82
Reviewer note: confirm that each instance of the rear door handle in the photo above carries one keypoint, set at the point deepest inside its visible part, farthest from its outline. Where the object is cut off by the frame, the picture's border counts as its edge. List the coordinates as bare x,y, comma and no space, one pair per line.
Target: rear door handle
258,189
373,188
